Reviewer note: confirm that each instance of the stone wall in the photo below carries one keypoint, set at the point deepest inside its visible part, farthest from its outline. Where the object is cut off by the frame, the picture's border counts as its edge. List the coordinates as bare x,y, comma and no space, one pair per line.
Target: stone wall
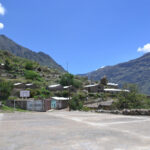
145,112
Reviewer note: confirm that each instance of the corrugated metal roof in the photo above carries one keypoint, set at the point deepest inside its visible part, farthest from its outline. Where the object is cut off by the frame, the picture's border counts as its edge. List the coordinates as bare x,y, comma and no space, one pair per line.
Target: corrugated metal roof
60,98
92,85
116,90
55,85
17,84
112,84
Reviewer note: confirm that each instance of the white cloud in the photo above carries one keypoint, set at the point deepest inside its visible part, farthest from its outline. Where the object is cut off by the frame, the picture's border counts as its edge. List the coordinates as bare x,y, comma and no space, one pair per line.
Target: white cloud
2,10
1,25
145,48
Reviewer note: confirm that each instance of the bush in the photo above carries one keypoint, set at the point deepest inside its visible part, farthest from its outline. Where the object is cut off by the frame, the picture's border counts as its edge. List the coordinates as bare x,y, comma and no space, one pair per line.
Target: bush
130,100
67,79
104,81
77,83
40,93
75,103
5,90
32,75
7,65
29,66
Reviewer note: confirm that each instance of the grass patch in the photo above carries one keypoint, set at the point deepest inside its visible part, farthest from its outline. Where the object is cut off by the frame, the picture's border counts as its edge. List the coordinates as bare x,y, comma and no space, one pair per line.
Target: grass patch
5,108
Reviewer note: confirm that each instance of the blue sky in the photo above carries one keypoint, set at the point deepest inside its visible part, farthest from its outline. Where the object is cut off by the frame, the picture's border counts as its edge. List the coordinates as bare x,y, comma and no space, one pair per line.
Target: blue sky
86,34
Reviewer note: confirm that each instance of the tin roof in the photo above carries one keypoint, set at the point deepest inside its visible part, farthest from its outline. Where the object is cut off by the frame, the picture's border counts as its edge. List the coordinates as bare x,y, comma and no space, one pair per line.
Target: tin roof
17,84
91,85
116,90
53,86
112,84
60,98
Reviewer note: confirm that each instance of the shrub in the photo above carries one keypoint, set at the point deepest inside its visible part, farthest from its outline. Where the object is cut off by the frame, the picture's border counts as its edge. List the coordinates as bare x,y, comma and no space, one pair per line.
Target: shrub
130,100
67,79
29,74
5,90
77,83
7,65
75,103
104,81
29,65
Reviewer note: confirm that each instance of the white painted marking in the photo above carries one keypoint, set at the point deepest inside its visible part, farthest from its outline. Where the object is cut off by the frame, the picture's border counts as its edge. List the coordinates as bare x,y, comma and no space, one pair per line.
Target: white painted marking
79,119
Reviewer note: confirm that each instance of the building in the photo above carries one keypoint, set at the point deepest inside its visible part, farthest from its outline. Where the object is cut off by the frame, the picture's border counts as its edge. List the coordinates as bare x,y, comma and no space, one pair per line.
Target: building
59,102
94,88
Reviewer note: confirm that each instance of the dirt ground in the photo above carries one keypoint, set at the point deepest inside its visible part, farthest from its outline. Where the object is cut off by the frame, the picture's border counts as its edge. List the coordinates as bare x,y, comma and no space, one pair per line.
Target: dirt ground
62,130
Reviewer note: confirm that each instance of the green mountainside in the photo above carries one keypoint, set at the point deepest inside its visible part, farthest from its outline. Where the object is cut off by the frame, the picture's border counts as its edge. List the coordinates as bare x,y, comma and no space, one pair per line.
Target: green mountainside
136,71
16,70
40,57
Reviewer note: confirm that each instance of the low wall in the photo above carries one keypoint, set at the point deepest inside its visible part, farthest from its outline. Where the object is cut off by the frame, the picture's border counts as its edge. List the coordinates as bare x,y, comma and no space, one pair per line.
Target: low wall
32,105
145,112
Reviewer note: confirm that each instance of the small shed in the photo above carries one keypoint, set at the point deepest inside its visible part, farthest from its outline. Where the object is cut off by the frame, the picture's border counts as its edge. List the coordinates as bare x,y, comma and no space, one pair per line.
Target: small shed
59,102
93,88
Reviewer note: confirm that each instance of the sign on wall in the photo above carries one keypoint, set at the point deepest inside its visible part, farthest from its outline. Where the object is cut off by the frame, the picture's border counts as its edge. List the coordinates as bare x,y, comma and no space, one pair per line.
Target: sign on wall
24,93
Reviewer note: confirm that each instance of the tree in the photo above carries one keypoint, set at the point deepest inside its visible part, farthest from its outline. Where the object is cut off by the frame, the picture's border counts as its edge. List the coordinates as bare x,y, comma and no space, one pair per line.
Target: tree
76,103
29,65
29,74
67,79
5,90
130,100
7,64
104,81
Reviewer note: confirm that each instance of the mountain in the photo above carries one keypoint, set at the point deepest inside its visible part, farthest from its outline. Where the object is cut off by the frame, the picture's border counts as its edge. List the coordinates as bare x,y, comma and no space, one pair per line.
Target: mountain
40,57
136,71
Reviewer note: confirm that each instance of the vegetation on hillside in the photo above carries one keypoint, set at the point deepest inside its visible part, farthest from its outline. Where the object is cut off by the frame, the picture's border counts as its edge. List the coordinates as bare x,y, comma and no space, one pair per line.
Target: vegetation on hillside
132,99
14,69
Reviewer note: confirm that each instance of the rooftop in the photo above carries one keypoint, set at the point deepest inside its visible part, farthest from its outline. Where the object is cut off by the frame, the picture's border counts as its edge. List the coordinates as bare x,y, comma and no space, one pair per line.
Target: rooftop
60,98
55,85
116,90
91,85
112,84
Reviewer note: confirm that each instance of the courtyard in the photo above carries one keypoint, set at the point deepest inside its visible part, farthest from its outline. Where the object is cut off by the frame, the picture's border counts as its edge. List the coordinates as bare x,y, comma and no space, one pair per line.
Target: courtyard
63,130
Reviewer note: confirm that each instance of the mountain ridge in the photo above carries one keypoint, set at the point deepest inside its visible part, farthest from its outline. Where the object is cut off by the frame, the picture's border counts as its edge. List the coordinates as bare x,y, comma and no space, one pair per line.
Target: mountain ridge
136,71
21,51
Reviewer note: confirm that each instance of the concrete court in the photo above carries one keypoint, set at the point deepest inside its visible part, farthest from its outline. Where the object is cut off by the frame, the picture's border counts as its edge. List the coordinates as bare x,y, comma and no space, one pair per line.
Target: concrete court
62,130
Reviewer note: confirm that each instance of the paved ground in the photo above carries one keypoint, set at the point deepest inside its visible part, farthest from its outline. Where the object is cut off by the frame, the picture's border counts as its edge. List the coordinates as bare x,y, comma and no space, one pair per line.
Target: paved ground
60,130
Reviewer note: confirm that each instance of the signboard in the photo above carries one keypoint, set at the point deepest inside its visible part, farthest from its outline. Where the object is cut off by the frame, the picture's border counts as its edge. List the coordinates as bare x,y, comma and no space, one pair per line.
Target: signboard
24,93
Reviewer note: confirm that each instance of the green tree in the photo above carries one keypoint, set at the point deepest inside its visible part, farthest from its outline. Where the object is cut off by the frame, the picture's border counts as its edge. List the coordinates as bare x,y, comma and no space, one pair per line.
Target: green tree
5,90
76,103
104,81
7,64
29,65
67,79
130,100
29,74
77,83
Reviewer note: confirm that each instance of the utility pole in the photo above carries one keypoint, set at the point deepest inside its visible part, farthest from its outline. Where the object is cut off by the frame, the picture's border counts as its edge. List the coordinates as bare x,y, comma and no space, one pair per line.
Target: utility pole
67,67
